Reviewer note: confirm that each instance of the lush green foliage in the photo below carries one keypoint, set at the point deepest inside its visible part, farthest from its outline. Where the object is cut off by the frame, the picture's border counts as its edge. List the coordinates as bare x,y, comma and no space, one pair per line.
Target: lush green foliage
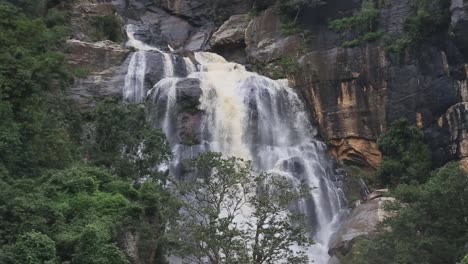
429,17
214,198
32,133
364,23
430,225
31,248
64,199
124,142
406,158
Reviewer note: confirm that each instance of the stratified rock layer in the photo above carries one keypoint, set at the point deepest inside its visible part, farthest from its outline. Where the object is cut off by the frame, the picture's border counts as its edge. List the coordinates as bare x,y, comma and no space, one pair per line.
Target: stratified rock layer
356,93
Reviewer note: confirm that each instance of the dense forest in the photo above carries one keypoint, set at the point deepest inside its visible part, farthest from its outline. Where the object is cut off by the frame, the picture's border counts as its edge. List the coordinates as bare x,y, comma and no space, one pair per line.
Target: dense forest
67,197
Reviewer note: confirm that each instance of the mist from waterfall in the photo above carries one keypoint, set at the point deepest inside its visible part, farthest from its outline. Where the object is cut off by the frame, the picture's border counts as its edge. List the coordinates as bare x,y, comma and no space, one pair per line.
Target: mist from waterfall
248,116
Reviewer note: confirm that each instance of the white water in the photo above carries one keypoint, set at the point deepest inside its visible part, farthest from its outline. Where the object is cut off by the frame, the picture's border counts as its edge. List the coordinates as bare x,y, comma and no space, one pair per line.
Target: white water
134,89
252,117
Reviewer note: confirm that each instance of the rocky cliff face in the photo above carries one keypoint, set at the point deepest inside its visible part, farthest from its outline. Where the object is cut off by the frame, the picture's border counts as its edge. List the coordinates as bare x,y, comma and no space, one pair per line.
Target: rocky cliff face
356,93
353,93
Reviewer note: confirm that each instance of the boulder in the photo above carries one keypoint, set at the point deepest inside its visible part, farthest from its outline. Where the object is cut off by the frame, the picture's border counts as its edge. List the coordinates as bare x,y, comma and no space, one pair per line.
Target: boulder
95,56
362,222
231,32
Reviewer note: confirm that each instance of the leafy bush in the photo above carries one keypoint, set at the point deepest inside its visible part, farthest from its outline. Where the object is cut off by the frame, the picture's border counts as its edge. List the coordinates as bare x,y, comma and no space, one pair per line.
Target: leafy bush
31,248
405,156
54,210
428,18
34,133
364,22
430,226
125,142
213,200
56,17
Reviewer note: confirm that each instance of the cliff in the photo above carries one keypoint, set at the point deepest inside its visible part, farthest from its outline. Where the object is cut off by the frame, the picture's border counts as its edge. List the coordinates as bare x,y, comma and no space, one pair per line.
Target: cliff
353,93
354,87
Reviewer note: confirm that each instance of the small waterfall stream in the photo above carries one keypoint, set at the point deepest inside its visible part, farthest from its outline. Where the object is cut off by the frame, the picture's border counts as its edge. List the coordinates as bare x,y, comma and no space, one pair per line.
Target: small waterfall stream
246,115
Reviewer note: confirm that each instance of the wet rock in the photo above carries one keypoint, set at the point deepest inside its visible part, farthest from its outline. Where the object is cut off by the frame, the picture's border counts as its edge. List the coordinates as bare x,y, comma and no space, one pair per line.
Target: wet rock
361,223
199,40
295,166
182,118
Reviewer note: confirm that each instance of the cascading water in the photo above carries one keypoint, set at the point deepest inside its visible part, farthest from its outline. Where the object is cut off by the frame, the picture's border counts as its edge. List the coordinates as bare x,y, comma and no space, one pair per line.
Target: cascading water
253,117
134,89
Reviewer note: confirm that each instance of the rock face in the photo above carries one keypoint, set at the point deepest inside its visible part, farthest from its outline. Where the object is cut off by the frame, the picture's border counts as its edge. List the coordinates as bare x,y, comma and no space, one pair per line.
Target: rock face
182,118
356,93
232,32
89,90
95,56
182,24
459,23
362,222
102,68
353,94
202,11
456,119
265,41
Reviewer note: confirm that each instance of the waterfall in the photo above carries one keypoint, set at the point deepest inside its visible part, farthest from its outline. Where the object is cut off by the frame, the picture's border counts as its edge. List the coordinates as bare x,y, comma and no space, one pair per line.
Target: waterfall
134,90
243,114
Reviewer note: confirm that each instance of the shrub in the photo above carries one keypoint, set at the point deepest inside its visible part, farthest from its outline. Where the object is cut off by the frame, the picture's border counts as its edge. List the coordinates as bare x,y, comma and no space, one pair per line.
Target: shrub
364,22
430,226
405,156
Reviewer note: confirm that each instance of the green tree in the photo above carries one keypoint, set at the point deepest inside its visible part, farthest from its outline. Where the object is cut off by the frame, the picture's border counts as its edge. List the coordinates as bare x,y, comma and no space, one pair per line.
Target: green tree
31,248
406,158
216,197
465,260
430,225
125,142
32,74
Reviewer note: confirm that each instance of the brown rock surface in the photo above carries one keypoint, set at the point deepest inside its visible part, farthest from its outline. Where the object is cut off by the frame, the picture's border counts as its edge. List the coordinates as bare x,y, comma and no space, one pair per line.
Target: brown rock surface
356,93
231,32
362,222
265,41
96,56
